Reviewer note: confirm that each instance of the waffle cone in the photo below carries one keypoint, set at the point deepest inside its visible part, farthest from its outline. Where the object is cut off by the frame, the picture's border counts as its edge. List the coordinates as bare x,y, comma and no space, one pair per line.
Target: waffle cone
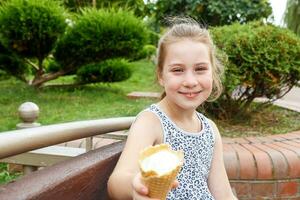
159,185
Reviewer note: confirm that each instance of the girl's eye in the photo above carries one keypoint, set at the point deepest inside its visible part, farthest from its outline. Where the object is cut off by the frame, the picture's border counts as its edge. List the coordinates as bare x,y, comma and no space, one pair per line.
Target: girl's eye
199,69
177,70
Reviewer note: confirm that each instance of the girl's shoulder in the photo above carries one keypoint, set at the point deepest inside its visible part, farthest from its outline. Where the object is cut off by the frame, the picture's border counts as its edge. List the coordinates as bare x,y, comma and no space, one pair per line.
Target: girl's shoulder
148,124
148,118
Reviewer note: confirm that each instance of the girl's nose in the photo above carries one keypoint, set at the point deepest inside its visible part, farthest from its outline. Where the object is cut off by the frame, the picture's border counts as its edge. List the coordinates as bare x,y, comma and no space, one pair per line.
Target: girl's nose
190,80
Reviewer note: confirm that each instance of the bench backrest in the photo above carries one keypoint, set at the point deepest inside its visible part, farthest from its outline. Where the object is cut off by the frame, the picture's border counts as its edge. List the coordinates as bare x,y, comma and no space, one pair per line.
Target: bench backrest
79,178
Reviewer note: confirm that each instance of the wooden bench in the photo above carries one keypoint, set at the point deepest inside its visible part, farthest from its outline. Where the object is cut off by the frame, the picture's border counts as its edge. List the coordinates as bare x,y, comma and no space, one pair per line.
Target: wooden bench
79,178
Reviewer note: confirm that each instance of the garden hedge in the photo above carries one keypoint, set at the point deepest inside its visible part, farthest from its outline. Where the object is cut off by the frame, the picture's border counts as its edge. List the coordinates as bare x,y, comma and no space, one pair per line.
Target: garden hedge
263,61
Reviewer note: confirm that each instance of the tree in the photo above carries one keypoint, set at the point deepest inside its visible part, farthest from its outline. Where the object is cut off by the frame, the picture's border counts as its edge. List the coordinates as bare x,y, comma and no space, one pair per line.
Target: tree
33,33
292,16
212,13
96,36
29,30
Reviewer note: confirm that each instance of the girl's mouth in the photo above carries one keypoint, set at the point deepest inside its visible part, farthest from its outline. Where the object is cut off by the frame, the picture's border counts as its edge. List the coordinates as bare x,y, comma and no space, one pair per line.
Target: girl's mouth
190,94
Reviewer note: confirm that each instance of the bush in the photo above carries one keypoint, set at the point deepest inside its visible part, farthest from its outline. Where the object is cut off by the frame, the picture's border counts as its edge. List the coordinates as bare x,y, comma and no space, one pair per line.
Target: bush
111,70
101,34
263,61
11,64
30,28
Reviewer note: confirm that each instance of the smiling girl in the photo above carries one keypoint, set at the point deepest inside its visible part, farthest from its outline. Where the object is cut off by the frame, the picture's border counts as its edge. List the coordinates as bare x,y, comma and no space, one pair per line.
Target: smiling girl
189,72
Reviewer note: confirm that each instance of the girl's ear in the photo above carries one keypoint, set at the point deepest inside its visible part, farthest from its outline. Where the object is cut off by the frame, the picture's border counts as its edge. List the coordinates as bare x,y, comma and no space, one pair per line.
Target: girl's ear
160,80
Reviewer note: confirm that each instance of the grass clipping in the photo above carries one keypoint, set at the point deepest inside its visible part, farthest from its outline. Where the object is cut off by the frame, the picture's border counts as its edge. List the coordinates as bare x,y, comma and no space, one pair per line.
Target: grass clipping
159,167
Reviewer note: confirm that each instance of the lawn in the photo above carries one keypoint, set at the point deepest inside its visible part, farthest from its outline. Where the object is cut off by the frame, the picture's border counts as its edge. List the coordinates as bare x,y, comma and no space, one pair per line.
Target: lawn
64,104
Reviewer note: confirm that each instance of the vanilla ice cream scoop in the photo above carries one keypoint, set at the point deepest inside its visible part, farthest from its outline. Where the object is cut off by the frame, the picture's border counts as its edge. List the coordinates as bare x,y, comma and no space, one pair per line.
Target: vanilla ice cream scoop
159,167
161,162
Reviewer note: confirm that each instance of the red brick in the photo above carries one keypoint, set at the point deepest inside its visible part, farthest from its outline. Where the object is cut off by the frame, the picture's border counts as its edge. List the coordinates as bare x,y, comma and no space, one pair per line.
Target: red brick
265,139
280,166
263,189
227,140
276,138
293,135
253,140
292,159
297,140
292,143
287,189
247,168
282,135
241,140
242,189
230,161
263,162
289,147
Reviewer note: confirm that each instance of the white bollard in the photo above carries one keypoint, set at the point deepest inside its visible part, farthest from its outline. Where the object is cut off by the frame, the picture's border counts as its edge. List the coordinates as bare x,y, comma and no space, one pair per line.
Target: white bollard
28,113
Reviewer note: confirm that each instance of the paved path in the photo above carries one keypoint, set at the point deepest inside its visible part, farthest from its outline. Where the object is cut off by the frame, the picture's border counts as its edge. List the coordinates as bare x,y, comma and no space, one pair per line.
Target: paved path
291,100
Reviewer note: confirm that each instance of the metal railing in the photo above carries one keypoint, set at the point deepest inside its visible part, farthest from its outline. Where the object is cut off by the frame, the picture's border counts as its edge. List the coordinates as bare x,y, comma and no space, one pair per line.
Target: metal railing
20,141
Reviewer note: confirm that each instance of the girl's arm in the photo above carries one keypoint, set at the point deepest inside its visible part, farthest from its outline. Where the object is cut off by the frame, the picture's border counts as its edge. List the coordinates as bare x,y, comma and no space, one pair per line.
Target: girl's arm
145,131
218,182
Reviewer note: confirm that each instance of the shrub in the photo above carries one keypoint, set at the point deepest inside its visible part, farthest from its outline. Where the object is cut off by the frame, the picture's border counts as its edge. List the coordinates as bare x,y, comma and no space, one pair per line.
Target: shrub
111,70
12,64
31,27
101,34
263,61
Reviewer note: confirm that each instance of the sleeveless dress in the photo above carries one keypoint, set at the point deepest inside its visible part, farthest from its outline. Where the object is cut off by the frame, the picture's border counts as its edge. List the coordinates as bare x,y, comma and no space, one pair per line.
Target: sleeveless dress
198,152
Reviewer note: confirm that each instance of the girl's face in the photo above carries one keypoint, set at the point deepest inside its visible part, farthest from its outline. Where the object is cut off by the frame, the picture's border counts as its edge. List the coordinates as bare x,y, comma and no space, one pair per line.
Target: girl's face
187,74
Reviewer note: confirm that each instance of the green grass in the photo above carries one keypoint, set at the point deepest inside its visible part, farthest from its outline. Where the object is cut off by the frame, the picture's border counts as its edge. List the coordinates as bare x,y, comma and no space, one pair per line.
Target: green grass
5,175
93,101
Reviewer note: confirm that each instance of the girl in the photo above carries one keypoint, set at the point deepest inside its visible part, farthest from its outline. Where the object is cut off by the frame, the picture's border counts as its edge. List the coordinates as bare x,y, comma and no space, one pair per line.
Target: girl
189,72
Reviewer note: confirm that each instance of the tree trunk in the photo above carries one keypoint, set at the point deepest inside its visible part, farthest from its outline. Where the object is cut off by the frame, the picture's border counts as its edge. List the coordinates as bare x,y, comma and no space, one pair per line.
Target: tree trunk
47,77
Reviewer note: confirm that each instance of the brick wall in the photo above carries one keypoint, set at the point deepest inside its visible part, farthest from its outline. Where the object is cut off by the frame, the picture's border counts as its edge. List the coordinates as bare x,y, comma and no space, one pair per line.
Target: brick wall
284,189
264,167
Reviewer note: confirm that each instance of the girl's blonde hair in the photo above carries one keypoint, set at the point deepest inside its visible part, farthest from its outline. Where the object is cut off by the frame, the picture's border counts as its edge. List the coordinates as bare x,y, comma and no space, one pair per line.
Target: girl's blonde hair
187,28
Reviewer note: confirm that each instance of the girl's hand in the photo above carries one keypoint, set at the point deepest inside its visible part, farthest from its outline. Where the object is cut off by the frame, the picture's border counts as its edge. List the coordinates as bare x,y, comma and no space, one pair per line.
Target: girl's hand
140,191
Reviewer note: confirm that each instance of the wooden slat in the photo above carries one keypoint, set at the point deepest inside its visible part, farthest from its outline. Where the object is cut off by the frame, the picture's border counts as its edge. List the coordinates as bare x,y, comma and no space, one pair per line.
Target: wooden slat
80,178
45,156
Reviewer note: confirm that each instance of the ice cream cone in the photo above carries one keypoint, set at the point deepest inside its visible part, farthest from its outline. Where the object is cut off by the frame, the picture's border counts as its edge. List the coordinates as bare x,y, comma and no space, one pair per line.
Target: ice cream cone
158,182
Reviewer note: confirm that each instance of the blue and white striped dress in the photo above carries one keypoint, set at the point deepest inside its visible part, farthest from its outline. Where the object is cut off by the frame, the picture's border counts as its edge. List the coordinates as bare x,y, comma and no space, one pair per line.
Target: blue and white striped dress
198,152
